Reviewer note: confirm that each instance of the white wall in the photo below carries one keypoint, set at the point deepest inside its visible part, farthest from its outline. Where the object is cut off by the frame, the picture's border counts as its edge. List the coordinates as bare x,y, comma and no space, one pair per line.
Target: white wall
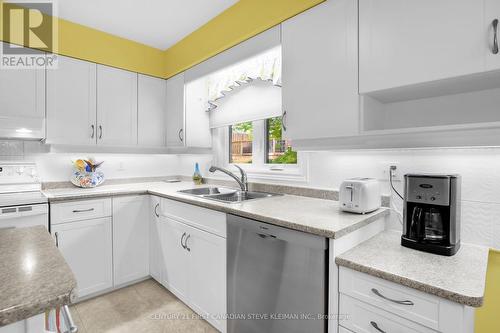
479,167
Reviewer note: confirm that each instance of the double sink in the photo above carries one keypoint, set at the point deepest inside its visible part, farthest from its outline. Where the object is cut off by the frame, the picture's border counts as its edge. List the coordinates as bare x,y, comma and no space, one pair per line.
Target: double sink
227,195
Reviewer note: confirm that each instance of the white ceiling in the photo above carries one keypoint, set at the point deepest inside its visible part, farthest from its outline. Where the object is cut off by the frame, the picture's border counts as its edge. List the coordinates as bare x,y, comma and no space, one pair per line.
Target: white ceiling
157,23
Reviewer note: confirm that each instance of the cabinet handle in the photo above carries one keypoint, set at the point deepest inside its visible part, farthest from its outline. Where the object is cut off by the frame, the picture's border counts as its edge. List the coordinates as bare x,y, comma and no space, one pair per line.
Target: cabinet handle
100,132
376,292
375,326
495,36
93,131
283,121
83,210
156,210
56,234
186,243
182,241
181,135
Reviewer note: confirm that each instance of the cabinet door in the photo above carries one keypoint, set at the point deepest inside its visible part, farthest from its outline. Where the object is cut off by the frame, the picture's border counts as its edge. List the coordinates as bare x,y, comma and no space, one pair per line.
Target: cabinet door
405,42
116,107
130,238
175,111
207,274
22,101
197,131
152,97
320,87
492,12
175,271
71,102
156,259
86,247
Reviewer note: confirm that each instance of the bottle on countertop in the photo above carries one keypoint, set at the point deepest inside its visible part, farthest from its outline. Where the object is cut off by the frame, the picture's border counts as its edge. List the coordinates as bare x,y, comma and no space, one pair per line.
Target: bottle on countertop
197,178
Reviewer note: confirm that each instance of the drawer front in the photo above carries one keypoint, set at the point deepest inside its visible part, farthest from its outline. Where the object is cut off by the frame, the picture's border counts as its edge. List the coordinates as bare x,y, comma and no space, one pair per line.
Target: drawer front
79,210
364,318
403,301
202,218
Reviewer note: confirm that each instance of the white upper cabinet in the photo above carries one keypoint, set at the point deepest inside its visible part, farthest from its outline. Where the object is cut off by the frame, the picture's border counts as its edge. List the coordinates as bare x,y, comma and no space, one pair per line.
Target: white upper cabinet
22,103
175,111
116,107
320,87
71,102
197,131
406,42
152,99
492,18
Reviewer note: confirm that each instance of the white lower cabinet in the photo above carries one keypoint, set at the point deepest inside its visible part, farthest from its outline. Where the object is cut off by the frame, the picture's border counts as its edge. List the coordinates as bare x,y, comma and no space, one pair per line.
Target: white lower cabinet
156,259
195,262
86,247
130,238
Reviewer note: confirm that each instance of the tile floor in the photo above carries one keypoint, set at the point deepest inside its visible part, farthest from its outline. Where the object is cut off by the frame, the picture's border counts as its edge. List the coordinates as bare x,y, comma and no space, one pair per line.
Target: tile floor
143,307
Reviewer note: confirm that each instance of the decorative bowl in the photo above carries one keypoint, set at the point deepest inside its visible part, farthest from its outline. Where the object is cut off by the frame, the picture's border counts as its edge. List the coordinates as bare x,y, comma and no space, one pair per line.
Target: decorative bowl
87,179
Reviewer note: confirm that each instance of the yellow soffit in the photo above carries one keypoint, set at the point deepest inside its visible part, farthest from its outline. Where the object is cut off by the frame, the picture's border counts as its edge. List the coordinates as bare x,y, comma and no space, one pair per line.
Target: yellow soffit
81,42
238,23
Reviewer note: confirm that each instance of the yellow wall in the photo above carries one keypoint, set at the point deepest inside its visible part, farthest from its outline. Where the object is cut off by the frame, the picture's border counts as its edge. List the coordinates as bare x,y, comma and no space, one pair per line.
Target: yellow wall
241,21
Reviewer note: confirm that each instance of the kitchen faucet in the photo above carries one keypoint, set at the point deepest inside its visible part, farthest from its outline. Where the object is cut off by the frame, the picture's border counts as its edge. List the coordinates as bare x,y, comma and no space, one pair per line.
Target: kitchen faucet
243,182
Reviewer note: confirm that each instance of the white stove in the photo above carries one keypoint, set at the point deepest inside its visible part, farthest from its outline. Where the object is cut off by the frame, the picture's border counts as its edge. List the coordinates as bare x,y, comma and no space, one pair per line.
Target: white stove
22,202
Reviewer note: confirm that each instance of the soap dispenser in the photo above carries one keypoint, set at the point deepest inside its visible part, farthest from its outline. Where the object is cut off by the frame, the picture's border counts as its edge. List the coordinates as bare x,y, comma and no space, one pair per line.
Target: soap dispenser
197,178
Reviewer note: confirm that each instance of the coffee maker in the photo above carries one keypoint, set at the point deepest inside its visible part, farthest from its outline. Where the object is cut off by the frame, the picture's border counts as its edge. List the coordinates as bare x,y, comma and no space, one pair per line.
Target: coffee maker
432,213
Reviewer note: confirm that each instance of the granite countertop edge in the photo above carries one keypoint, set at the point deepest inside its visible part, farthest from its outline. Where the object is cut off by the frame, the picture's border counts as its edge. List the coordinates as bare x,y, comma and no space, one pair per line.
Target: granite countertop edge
473,301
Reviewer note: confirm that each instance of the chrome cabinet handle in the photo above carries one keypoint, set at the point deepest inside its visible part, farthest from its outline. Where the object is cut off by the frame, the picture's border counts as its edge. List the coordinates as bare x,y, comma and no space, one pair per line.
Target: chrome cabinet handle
376,292
93,131
182,241
72,328
181,135
283,120
494,50
186,243
100,132
83,210
375,326
56,234
156,210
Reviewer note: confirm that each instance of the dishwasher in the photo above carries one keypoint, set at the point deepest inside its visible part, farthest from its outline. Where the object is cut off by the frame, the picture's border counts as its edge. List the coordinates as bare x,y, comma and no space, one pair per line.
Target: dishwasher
276,279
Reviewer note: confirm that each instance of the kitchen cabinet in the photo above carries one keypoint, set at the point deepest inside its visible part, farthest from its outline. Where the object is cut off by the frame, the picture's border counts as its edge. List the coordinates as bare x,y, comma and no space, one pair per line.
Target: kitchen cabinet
175,111
319,73
130,238
194,249
22,103
71,102
152,107
116,107
156,260
415,41
87,248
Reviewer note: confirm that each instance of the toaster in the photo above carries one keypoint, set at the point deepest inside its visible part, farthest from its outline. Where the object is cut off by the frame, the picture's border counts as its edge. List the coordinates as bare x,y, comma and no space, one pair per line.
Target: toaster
359,195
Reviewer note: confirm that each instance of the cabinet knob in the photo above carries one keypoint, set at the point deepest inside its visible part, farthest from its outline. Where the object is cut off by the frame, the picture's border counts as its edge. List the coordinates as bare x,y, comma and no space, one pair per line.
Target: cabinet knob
375,326
283,120
156,210
93,131
182,241
100,132
181,135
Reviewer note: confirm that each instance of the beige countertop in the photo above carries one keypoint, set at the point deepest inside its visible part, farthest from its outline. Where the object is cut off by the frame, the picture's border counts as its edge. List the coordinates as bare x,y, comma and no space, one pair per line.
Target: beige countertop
459,278
316,216
34,277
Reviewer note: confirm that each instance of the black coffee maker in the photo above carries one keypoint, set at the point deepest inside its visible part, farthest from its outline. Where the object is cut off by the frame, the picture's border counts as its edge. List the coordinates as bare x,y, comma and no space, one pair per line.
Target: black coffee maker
432,213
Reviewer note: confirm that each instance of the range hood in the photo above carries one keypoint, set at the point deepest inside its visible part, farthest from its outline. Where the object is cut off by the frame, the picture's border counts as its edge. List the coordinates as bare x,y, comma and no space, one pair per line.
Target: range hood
22,128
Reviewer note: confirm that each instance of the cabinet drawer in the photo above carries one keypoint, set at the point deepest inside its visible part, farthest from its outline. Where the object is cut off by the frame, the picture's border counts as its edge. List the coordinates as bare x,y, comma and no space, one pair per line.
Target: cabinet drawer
79,210
198,217
403,301
364,318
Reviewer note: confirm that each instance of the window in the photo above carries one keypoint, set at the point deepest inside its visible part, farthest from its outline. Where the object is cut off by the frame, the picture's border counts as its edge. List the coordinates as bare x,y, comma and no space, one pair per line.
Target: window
260,142
278,150
240,147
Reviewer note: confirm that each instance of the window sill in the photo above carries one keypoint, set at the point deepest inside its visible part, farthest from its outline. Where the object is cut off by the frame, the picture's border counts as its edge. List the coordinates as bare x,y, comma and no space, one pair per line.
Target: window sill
288,173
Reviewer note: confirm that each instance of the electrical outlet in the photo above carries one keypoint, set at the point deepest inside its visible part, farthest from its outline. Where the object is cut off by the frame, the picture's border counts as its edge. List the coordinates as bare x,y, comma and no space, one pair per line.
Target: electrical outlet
385,170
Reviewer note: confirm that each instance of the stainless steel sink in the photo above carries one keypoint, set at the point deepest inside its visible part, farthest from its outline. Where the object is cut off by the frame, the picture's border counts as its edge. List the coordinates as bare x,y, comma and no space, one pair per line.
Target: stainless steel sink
228,195
205,191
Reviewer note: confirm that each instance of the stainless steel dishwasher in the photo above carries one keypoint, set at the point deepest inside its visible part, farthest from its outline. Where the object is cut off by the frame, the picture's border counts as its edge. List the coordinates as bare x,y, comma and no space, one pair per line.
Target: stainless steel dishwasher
276,279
